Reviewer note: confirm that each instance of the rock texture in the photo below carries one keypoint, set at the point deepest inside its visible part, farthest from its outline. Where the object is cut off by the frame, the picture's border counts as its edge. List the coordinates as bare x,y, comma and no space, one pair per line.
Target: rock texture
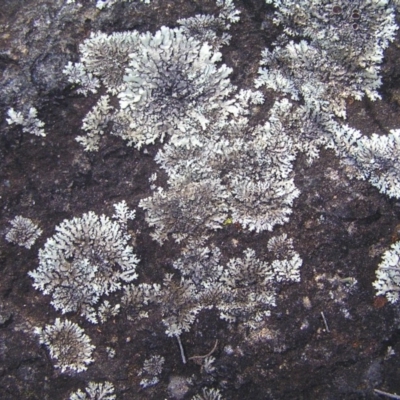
329,336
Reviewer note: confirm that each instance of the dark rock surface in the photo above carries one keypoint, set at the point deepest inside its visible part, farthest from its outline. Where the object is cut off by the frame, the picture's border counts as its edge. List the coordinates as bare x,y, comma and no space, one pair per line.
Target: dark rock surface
340,228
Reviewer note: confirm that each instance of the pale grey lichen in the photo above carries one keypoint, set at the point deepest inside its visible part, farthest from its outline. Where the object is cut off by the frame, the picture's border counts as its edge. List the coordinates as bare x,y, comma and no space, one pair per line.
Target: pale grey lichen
203,156
68,345
264,151
261,181
252,293
195,162
281,246
259,188
107,56
23,232
148,382
199,263
152,368
100,4
219,168
208,365
357,25
287,261
250,286
87,258
259,206
179,305
176,301
186,210
138,298
301,70
210,29
103,59
388,274
243,290
28,120
95,391
305,127
376,159
154,365
228,10
77,75
107,310
94,123
108,3
110,352
206,28
338,58
369,158
287,269
208,394
173,83
341,57
353,29
123,214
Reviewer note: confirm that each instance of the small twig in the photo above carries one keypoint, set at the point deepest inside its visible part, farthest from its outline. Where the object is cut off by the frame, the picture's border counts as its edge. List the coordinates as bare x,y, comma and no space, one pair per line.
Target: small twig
326,324
181,349
207,355
391,396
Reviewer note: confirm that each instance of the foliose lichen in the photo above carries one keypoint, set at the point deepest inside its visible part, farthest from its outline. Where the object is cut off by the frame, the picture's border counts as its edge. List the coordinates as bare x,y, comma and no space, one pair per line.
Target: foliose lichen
388,274
68,345
95,391
28,120
23,232
88,257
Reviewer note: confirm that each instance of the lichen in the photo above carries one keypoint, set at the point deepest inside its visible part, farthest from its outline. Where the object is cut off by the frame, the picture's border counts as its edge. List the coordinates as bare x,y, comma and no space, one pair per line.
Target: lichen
23,232
95,391
67,344
388,274
88,257
28,120
173,84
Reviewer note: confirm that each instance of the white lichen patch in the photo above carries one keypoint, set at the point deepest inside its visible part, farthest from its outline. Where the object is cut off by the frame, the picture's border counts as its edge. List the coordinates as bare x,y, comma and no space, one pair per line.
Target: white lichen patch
211,29
243,289
77,75
372,158
208,394
328,53
101,4
95,123
104,59
187,210
168,83
388,274
28,120
23,232
198,262
108,3
344,41
173,83
95,391
68,345
179,305
259,206
251,286
87,258
107,56
152,368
